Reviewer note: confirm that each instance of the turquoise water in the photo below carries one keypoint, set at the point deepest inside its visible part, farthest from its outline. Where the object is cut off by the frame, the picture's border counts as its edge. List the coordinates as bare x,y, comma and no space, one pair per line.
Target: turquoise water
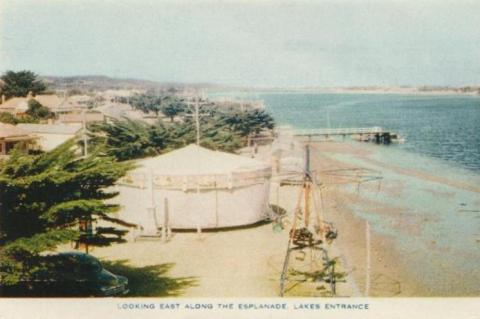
434,215
444,127
434,223
437,233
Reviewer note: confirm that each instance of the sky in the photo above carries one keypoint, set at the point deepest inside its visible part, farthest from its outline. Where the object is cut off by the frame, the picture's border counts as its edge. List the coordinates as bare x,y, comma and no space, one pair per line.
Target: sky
247,43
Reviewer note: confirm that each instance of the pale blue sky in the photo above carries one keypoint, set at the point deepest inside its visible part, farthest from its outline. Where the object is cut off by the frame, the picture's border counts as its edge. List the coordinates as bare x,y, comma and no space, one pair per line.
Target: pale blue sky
302,43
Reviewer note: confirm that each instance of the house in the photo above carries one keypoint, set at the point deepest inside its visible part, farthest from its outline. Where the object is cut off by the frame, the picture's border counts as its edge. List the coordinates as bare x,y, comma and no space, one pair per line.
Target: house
50,136
80,117
120,111
11,135
80,101
113,95
55,103
15,106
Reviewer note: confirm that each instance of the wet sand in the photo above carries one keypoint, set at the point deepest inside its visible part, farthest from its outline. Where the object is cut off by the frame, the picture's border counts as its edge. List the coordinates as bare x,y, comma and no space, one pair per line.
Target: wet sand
388,278
394,268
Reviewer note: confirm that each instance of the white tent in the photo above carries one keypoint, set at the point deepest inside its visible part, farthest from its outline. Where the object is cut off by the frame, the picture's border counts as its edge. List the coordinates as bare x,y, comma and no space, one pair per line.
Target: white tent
193,188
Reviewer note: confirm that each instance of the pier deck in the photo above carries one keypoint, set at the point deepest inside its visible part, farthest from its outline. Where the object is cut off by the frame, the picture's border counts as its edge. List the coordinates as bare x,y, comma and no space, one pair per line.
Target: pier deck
376,134
339,131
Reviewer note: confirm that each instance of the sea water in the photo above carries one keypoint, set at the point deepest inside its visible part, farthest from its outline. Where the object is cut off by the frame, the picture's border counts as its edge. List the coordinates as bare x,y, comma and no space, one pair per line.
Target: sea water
445,127
437,168
441,203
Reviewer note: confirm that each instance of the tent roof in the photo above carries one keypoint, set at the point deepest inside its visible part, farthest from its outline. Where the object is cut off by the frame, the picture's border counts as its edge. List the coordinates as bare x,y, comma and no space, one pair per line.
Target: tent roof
197,160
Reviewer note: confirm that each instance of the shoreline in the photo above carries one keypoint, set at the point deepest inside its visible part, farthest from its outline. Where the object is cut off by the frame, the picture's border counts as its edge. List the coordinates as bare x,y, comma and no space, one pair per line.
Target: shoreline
388,278
408,92
247,262
400,265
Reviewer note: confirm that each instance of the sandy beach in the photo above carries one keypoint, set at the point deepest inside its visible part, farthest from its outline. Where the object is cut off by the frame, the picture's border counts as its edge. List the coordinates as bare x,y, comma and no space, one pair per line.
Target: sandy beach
388,279
412,253
247,262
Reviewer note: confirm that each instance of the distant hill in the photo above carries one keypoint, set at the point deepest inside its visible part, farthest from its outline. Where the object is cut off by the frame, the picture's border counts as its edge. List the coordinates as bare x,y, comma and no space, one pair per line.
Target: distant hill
91,83
102,83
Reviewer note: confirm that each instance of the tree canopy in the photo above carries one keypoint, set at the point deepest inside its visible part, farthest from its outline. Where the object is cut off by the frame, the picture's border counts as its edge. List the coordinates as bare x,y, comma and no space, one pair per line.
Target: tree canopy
248,122
34,113
147,102
169,105
12,119
219,130
20,84
43,200
37,110
172,106
8,118
129,139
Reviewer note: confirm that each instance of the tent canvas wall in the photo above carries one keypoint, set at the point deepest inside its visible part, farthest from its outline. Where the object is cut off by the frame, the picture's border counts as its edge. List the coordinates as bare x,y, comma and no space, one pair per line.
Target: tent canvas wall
199,188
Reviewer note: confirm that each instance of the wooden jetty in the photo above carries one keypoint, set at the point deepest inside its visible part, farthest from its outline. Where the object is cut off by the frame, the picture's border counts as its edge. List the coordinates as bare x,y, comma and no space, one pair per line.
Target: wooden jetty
365,134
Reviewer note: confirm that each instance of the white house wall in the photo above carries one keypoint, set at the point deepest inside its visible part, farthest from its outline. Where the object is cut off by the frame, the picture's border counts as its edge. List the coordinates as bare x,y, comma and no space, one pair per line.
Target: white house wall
49,141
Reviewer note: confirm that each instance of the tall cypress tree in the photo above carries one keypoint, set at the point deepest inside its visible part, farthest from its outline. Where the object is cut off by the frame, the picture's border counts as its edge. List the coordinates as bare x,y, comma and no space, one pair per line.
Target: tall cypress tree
42,200
20,84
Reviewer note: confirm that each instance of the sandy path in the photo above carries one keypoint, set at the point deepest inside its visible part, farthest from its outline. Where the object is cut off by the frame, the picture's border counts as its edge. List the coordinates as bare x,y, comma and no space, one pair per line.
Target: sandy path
237,263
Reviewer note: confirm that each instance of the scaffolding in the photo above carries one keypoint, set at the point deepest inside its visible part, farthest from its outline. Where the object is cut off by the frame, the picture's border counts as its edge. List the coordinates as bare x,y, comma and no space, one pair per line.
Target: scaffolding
309,237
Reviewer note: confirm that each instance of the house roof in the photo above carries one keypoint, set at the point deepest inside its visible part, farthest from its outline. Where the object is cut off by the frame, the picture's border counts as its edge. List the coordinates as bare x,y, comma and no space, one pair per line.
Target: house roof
13,103
79,117
60,128
197,160
9,131
52,135
79,101
51,101
115,110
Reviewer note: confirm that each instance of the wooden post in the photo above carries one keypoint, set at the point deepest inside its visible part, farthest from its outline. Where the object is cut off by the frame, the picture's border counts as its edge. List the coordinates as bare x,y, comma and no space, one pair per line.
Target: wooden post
307,160
151,187
387,138
306,185
165,221
368,266
197,120
307,203
84,134
283,276
199,232
216,202
278,196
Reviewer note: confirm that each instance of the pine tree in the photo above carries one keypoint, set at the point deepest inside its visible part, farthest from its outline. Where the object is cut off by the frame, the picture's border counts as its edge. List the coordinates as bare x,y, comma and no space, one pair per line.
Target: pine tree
128,139
20,84
248,122
42,200
37,110
172,106
219,130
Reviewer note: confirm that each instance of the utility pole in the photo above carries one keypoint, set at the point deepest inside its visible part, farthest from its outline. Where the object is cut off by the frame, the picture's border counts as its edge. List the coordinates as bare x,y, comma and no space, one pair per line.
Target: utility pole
197,119
84,124
368,265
